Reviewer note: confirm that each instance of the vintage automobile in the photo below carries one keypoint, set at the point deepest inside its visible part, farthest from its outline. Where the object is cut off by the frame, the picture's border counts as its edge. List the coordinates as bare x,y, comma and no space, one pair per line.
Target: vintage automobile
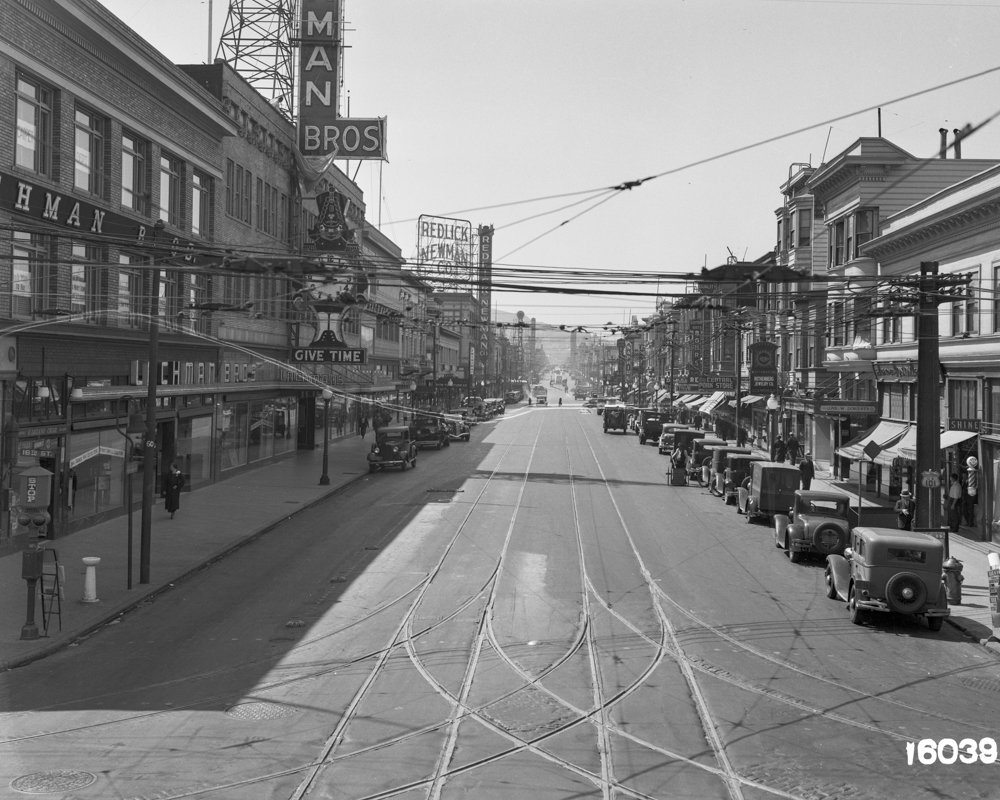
393,447
737,470
769,490
650,424
665,444
429,430
817,523
717,468
615,418
890,570
700,468
590,402
606,401
458,428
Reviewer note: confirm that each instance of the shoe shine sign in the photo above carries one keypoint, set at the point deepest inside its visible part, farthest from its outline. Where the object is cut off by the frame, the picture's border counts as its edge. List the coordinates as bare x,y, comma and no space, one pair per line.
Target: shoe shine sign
322,131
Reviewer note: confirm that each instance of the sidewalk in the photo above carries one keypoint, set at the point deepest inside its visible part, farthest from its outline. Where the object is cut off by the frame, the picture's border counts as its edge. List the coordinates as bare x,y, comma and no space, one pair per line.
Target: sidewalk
973,616
211,522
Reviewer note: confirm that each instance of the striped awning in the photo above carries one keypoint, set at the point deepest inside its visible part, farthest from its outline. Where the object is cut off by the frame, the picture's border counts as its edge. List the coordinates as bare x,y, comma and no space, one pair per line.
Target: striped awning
713,402
750,399
885,434
908,449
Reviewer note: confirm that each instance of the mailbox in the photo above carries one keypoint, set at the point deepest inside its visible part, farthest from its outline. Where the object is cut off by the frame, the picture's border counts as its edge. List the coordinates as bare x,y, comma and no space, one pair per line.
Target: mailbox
35,488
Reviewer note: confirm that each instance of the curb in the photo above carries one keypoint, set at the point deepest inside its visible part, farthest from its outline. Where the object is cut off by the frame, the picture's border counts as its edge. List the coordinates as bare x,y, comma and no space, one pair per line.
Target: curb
133,602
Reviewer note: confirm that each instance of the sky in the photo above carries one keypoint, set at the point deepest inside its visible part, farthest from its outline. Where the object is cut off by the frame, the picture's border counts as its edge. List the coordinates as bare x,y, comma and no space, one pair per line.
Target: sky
494,103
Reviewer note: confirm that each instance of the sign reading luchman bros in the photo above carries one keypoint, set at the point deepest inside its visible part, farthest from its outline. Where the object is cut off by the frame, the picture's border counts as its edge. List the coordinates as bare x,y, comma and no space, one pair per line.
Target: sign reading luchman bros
322,131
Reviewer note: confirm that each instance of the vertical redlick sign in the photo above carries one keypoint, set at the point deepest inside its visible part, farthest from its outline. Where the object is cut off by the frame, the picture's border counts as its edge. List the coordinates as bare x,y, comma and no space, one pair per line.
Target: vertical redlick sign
319,72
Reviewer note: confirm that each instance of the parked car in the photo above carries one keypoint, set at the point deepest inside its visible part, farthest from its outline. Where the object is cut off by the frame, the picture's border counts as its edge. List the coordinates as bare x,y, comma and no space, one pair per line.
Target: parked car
393,447
590,402
665,444
650,424
717,469
458,428
700,466
817,523
890,570
429,430
769,490
615,418
606,401
737,470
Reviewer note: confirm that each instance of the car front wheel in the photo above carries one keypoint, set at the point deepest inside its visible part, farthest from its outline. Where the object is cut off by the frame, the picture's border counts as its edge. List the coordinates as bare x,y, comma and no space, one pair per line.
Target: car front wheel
795,556
831,587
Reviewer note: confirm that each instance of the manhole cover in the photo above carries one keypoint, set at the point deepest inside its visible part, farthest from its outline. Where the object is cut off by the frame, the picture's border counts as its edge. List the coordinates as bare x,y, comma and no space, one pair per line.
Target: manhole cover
251,711
62,780
983,684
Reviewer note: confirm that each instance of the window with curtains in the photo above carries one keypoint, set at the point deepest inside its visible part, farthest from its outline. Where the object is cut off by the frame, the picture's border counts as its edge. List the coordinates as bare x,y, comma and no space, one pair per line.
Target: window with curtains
962,400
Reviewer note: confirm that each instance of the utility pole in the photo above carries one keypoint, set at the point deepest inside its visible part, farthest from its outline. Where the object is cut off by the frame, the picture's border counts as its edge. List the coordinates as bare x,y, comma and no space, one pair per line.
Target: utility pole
928,511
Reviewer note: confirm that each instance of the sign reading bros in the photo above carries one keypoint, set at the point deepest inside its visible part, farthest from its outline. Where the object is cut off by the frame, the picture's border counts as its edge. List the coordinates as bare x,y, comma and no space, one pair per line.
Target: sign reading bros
322,132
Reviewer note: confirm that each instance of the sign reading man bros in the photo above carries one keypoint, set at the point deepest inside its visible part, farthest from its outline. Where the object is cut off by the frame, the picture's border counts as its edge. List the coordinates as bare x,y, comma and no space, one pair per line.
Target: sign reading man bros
322,131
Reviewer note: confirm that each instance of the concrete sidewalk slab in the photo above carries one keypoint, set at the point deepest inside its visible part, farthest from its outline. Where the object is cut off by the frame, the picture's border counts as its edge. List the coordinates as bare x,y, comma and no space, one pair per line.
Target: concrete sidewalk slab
211,522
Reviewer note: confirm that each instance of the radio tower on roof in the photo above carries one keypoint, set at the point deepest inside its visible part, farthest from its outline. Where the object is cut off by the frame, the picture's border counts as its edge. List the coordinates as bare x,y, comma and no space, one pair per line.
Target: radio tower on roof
258,42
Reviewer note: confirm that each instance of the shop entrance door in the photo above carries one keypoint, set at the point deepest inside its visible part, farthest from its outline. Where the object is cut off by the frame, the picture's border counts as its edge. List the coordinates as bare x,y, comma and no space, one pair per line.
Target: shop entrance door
307,424
166,450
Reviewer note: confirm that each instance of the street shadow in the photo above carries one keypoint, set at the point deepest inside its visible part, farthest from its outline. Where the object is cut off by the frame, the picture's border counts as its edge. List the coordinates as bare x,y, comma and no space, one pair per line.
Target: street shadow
560,478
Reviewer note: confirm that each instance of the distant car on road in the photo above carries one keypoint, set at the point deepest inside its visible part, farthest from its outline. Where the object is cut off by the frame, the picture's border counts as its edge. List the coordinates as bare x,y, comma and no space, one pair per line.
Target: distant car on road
429,430
615,418
770,490
458,428
817,523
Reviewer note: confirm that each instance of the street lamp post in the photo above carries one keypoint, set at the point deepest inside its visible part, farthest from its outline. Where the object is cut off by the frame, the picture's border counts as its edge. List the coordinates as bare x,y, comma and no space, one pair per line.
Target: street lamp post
413,400
773,406
149,446
136,427
324,479
451,383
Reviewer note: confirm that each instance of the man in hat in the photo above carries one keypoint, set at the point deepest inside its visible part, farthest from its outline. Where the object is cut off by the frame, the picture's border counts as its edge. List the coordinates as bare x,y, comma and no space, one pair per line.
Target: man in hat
904,510
807,470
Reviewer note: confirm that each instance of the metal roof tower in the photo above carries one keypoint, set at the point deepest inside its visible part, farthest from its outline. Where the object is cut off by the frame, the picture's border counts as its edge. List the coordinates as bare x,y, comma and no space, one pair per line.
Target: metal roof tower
258,41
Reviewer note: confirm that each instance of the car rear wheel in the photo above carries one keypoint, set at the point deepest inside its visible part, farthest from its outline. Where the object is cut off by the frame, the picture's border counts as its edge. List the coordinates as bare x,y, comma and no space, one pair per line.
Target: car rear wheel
858,615
831,587
905,592
795,556
935,623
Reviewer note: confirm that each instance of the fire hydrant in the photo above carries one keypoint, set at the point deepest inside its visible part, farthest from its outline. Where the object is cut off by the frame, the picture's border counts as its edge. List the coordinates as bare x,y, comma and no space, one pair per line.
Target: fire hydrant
953,580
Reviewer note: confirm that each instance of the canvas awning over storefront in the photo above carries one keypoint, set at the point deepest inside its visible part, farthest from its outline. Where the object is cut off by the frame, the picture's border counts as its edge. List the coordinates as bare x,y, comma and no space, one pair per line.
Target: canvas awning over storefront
885,434
688,399
948,439
909,441
713,402
750,399
697,404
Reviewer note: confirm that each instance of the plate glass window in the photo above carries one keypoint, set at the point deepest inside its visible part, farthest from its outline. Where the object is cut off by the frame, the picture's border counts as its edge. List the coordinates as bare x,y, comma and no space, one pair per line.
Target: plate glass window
129,292
34,126
170,190
85,281
133,173
88,171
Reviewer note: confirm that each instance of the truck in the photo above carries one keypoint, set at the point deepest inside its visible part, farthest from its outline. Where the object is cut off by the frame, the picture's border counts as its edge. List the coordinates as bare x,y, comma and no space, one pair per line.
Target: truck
541,396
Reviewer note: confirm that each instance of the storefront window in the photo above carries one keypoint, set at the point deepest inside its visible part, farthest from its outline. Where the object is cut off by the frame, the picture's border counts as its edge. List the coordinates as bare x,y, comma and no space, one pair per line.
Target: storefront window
194,450
261,431
96,472
233,434
285,425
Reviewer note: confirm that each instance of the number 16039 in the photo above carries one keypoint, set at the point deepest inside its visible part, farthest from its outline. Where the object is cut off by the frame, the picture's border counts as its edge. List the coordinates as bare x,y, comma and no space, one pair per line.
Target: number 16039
948,751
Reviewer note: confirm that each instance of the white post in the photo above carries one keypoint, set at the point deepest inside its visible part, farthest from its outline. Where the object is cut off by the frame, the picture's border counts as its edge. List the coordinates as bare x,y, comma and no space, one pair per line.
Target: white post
90,579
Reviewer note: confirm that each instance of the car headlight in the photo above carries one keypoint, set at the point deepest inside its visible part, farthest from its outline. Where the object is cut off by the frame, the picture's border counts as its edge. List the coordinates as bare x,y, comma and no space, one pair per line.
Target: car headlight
375,450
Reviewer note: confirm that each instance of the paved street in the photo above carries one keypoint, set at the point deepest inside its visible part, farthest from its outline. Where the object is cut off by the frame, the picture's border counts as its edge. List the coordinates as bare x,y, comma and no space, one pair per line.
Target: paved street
533,614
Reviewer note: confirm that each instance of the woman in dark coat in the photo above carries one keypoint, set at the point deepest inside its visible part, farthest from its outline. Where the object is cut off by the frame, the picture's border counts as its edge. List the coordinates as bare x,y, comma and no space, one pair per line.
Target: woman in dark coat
172,485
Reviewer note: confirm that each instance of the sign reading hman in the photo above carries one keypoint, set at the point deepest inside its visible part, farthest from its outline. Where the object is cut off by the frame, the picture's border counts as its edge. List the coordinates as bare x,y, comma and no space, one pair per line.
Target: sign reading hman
322,131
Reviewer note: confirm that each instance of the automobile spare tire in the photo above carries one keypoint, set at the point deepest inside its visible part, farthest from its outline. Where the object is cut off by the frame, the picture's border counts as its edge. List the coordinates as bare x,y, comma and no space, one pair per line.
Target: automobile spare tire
829,539
905,592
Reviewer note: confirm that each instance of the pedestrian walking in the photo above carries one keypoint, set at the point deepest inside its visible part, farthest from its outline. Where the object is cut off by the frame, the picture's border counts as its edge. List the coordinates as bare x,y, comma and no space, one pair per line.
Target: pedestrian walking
792,446
807,470
904,511
971,490
173,482
779,450
954,503
363,428
741,437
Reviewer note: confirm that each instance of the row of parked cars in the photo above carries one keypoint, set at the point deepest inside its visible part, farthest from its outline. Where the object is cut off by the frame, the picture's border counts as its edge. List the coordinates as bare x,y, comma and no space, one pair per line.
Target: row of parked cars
872,567
397,445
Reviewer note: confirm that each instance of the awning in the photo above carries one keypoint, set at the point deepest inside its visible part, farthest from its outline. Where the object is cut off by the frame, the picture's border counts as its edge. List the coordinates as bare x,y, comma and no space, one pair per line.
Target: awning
685,398
909,441
750,399
697,403
948,439
713,402
885,434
